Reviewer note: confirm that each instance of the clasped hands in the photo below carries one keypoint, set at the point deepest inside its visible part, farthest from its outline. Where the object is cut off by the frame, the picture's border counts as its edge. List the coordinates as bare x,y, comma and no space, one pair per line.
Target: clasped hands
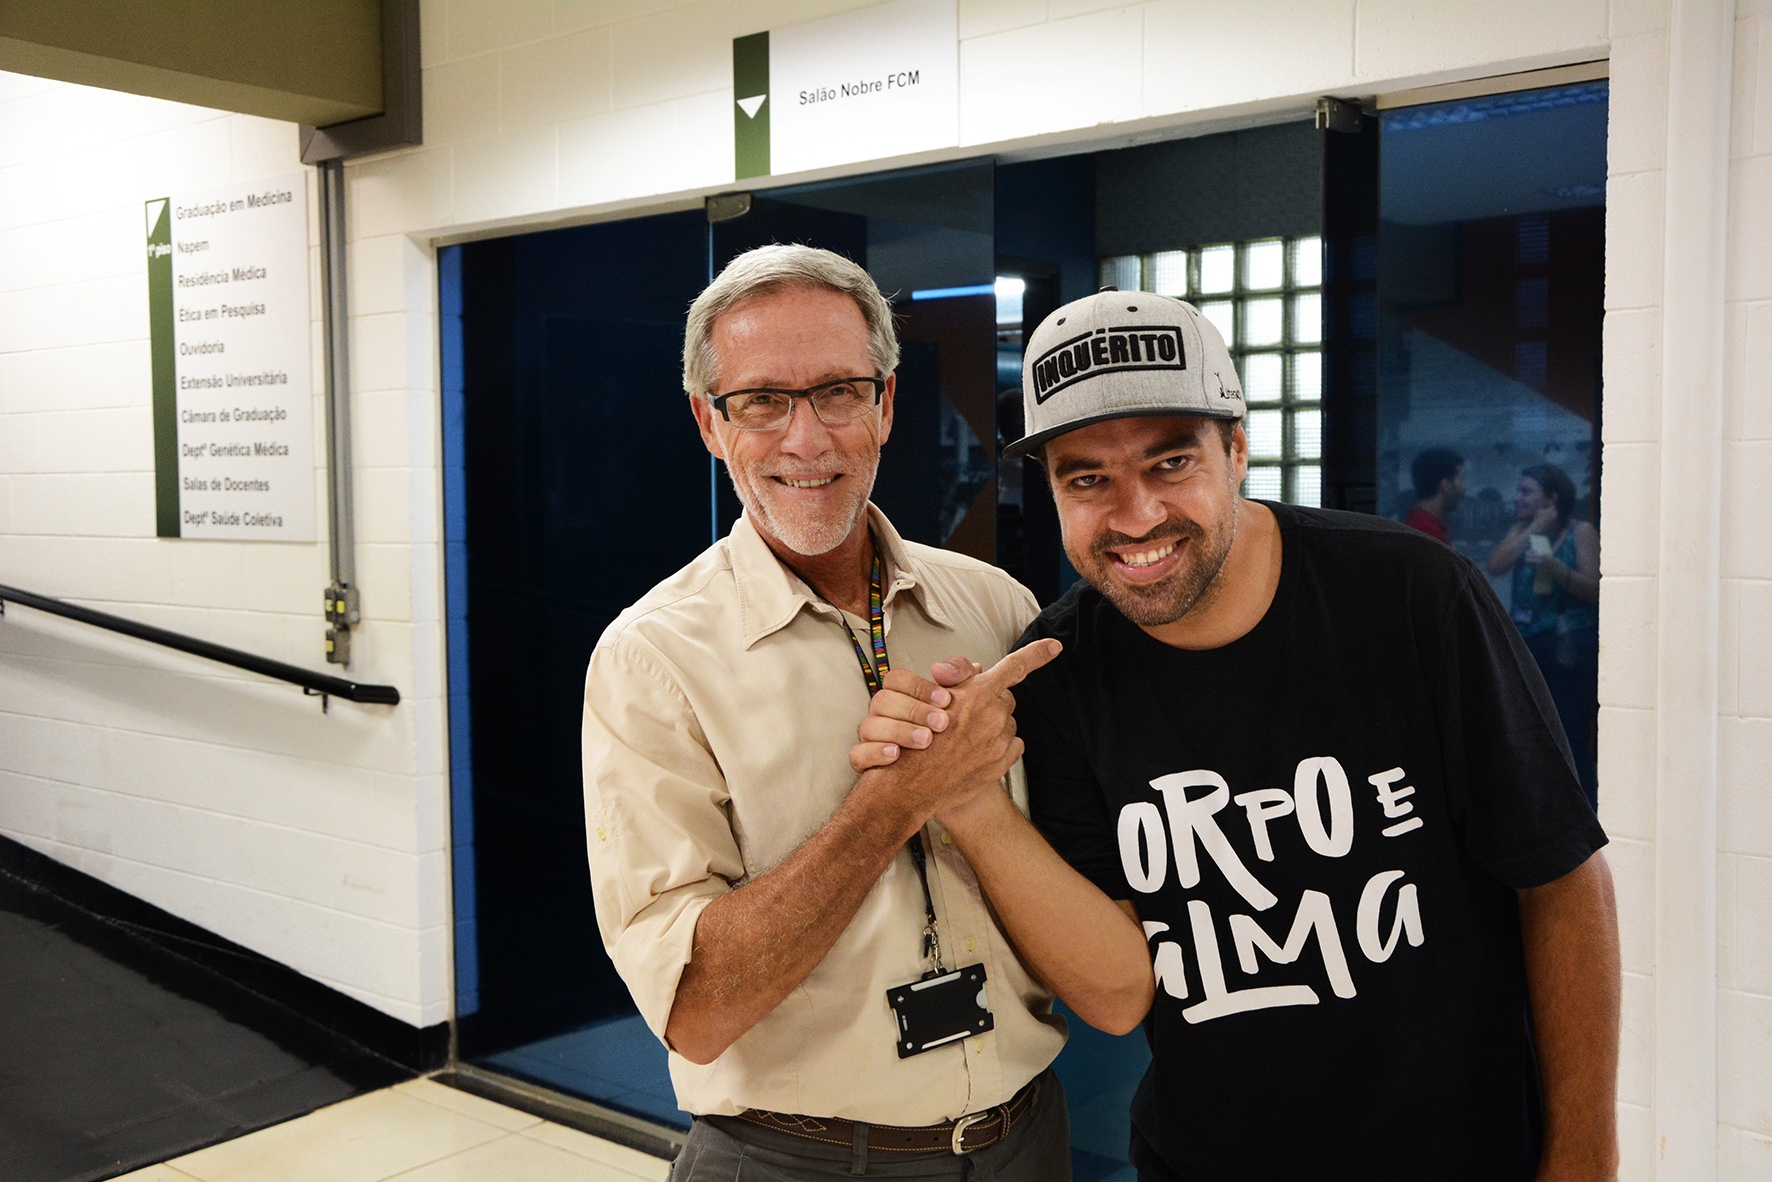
950,740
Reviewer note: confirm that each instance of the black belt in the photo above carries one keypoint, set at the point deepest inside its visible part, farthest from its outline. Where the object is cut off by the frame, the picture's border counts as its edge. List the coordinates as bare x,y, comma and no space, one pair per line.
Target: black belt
968,1134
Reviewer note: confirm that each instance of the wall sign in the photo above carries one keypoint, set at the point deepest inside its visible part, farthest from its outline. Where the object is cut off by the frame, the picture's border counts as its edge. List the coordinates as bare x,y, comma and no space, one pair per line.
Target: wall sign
231,342
876,82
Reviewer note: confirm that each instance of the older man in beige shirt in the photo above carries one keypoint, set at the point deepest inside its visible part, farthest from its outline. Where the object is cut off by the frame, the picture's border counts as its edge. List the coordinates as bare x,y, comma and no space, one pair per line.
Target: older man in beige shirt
809,944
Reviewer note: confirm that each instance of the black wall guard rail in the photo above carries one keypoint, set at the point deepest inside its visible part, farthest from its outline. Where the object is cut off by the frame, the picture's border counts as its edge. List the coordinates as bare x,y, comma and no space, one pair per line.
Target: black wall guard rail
314,683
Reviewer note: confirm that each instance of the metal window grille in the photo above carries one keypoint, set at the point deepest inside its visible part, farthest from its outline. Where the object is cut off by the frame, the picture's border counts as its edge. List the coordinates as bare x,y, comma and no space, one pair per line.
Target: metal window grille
1266,297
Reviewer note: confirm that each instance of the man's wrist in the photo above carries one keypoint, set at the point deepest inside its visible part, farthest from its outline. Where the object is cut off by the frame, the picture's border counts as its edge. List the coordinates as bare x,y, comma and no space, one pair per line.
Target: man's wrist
978,812
882,798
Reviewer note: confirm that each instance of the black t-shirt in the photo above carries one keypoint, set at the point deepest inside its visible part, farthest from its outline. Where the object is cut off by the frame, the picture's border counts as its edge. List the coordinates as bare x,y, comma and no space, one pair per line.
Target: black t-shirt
1322,825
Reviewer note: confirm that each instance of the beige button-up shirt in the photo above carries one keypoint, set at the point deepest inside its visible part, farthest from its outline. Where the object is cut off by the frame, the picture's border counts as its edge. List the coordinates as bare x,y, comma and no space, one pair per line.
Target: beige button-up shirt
719,713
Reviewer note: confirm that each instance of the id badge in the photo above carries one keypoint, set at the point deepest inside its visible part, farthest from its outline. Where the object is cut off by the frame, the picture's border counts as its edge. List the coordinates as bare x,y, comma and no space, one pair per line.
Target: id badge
939,1010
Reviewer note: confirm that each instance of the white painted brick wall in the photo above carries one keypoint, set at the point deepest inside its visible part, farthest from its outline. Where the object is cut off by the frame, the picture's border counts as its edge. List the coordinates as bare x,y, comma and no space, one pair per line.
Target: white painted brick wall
544,111
316,839
1744,887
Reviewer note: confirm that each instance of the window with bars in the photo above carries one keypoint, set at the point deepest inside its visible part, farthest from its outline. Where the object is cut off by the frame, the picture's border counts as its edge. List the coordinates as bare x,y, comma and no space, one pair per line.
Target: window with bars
1266,298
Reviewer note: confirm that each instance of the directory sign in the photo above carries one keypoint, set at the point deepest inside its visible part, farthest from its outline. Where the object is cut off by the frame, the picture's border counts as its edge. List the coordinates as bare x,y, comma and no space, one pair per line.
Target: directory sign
231,331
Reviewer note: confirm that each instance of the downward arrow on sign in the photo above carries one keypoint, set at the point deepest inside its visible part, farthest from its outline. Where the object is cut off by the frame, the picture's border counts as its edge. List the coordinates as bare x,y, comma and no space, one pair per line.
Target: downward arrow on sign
750,106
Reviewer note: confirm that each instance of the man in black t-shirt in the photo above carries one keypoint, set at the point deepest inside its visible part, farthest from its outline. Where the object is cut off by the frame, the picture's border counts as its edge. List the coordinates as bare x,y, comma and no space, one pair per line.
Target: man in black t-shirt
1359,903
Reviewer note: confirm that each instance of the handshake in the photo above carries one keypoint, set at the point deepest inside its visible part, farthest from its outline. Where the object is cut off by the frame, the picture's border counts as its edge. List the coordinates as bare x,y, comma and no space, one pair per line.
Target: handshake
948,742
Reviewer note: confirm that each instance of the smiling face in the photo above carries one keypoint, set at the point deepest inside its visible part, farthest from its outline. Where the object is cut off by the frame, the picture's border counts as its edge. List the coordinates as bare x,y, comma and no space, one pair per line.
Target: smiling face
1530,499
805,486
1148,507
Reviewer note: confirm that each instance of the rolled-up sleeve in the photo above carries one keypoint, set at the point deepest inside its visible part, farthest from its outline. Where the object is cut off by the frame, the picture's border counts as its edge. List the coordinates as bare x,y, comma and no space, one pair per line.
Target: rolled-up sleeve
656,821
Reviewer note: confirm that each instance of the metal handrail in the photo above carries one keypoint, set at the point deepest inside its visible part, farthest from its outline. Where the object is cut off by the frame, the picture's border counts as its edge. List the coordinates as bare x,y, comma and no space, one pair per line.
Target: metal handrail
314,683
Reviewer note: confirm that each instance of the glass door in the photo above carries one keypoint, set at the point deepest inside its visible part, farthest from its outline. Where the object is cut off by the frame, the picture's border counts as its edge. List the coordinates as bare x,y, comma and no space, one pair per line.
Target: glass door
574,481
1490,288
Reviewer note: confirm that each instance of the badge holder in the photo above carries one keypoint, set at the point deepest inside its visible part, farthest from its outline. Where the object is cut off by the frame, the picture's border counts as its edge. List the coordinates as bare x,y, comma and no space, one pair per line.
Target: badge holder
941,1009
942,1006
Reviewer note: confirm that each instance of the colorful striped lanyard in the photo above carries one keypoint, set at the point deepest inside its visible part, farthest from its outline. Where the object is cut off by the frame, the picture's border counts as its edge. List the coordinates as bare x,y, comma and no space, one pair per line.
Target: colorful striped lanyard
873,672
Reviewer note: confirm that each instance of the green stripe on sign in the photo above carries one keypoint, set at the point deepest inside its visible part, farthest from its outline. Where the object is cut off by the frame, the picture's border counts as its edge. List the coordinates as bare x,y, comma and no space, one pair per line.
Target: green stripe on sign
750,111
164,365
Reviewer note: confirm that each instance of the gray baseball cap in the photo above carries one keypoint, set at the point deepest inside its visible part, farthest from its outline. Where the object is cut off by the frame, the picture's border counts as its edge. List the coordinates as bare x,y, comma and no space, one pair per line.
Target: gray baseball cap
1120,354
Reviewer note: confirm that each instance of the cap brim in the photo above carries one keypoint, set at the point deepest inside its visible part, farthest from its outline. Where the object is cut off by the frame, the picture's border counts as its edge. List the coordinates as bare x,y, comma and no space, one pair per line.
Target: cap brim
1025,446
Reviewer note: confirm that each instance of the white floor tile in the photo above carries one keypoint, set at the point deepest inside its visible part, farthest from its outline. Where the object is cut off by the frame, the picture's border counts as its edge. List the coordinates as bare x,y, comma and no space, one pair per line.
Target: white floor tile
161,1173
456,1100
366,1139
516,1158
629,1161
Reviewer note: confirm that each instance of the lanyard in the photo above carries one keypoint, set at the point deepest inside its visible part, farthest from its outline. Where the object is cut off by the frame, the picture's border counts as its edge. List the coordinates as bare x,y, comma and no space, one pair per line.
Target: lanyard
874,673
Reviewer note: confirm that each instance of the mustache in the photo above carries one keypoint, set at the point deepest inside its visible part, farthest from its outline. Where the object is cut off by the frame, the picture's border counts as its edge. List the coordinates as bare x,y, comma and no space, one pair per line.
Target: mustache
1170,530
837,462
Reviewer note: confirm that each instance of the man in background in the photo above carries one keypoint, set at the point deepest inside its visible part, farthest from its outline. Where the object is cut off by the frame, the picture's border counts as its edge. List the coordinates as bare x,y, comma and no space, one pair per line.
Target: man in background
1439,487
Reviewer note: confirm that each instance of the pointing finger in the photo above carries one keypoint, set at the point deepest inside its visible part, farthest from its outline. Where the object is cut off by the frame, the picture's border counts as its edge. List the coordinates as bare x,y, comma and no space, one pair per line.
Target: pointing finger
1023,661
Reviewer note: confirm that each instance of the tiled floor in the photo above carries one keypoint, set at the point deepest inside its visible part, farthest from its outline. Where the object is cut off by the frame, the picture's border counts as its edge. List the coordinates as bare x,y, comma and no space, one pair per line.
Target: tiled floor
417,1131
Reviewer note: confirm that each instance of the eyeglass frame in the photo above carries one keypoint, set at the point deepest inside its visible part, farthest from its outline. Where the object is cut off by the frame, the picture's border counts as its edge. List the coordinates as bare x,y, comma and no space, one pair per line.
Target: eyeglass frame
719,401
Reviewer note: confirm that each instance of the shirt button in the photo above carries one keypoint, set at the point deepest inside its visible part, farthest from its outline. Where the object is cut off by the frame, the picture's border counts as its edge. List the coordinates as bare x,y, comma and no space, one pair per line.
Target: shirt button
971,944
602,834
947,839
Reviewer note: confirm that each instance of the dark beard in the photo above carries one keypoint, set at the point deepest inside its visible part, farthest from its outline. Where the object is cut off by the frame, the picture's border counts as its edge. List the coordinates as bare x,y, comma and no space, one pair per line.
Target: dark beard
1178,594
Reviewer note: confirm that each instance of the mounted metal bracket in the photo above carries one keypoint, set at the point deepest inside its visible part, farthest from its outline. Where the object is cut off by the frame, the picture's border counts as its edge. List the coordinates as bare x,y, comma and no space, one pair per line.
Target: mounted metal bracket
1335,114
724,207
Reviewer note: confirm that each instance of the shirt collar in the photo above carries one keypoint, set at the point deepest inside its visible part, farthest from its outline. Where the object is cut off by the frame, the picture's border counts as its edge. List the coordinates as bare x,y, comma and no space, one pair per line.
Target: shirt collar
770,595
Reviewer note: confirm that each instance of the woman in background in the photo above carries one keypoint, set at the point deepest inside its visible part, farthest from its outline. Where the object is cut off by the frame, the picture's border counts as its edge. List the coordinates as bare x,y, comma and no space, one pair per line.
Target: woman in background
1555,562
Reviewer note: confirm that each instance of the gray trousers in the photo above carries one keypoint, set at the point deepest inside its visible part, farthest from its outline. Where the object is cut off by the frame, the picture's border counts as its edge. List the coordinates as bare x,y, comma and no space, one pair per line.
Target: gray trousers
1037,1149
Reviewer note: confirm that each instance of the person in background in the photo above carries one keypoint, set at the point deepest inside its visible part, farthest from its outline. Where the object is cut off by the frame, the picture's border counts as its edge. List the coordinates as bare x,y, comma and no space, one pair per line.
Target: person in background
1555,561
1439,487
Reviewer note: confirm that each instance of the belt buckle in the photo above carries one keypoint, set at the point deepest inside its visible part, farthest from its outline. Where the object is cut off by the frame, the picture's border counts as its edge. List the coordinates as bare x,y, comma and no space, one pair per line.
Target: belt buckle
960,1127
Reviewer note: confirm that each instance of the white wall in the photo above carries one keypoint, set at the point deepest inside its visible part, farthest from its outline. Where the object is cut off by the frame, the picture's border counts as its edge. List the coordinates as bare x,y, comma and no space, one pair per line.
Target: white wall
318,839
1744,864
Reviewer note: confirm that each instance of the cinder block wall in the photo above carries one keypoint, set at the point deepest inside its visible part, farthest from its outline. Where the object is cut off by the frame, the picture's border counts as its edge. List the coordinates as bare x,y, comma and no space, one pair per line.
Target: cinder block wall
1744,821
319,840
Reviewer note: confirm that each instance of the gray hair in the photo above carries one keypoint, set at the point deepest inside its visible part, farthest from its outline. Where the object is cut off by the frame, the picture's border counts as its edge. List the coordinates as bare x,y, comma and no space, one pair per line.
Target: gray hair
769,269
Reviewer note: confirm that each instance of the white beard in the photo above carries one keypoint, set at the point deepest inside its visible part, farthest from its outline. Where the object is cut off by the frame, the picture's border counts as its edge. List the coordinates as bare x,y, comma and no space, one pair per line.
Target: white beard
802,532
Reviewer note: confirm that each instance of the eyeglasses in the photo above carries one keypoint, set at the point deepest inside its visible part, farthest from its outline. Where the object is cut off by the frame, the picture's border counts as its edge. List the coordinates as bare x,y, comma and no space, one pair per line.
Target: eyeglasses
840,401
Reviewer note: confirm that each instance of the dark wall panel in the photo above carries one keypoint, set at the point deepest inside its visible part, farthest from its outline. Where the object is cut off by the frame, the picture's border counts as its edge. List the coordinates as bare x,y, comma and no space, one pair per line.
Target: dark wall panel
1219,188
585,484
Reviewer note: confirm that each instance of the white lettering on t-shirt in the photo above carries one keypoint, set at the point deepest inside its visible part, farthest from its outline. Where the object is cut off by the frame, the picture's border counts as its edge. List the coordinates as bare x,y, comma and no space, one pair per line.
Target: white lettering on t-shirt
1337,838
1394,802
1322,802
1221,1002
1314,914
1407,920
1167,964
1194,818
1144,855
1263,805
